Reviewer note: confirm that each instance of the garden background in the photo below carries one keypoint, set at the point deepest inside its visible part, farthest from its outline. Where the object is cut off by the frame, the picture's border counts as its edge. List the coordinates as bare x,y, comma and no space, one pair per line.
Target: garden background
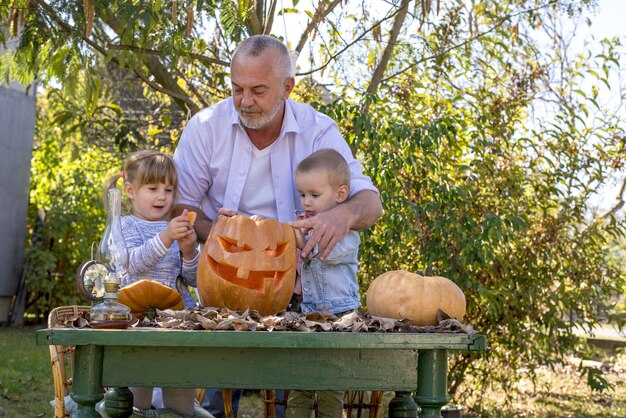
491,129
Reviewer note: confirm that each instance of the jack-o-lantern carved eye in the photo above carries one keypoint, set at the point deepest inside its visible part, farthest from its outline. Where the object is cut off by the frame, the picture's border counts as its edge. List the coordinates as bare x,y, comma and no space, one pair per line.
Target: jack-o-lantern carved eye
230,245
278,251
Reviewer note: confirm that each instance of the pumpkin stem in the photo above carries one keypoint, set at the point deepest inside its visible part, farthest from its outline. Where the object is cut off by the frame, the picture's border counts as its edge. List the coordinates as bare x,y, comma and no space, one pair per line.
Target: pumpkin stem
150,313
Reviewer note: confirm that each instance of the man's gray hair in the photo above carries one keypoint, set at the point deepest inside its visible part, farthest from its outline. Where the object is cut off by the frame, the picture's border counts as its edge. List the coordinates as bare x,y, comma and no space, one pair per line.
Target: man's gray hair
257,44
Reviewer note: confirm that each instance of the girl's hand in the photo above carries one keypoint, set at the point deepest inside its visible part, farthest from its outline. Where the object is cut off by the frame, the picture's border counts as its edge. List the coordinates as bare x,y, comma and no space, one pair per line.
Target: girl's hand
187,245
178,228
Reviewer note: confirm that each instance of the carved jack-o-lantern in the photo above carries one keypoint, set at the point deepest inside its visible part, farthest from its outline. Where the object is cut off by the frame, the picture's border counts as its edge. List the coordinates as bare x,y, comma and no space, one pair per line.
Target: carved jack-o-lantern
247,264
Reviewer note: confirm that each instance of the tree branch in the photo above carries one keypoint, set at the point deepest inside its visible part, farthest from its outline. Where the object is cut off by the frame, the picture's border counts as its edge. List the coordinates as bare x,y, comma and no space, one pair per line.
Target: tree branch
252,19
320,14
158,53
348,45
470,40
69,29
619,199
167,84
391,44
269,18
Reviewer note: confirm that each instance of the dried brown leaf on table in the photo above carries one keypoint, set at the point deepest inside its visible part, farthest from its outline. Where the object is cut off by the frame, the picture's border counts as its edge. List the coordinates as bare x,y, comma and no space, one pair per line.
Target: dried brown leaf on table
206,323
318,326
382,323
80,322
291,316
172,314
273,321
236,324
441,315
299,325
323,316
347,321
191,325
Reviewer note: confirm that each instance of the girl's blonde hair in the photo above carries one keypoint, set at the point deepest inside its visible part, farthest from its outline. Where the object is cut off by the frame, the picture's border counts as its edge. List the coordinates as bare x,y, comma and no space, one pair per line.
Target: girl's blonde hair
145,167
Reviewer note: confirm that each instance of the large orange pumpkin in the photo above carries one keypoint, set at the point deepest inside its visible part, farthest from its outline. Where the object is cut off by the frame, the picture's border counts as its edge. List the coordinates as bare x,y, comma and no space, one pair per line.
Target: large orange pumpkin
401,294
248,264
145,296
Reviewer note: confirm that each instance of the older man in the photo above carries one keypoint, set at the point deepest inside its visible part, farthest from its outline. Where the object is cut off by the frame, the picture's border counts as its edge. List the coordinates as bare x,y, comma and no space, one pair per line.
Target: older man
240,155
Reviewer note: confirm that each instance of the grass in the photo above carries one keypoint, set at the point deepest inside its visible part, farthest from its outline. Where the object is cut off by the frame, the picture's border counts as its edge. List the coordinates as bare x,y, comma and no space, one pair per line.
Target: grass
26,388
25,375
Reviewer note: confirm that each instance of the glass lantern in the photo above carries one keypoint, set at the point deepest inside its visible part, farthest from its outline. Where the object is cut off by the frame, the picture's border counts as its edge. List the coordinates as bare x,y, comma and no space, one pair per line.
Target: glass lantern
113,254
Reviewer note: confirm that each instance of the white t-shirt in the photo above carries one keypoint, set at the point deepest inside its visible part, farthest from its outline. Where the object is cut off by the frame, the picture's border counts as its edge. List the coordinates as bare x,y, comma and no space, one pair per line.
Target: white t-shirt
257,197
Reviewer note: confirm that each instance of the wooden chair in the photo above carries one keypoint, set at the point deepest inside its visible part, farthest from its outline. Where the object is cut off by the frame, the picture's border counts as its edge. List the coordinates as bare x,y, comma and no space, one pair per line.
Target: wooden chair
62,359
354,402
227,397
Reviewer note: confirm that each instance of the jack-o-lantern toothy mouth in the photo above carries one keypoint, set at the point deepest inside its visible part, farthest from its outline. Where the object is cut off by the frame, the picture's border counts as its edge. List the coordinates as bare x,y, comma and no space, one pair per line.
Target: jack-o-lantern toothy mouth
253,280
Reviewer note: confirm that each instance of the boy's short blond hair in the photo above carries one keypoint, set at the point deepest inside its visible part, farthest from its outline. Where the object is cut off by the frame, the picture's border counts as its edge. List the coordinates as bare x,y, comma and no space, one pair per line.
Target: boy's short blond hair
332,162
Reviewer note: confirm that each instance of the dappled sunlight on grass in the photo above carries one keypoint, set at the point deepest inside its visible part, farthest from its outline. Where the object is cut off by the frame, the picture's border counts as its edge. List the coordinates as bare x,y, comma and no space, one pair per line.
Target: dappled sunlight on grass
560,393
26,387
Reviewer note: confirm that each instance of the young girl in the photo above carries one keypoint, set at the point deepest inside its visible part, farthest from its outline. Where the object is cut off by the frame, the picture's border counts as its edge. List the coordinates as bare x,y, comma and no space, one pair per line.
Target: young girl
156,247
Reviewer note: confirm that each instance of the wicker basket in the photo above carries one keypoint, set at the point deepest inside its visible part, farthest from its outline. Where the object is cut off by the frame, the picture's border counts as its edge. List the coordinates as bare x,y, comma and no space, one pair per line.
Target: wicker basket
62,356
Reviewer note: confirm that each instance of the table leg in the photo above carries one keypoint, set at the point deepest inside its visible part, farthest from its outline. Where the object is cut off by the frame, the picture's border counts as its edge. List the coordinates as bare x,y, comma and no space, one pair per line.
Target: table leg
118,402
402,406
86,387
432,382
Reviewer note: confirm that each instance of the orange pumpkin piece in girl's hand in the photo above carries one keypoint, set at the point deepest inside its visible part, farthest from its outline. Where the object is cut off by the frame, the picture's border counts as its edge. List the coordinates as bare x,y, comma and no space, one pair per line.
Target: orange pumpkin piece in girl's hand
192,217
146,296
248,264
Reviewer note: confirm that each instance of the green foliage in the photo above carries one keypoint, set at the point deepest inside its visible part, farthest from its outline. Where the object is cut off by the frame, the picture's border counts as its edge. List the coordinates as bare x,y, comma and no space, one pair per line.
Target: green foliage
533,268
476,191
65,213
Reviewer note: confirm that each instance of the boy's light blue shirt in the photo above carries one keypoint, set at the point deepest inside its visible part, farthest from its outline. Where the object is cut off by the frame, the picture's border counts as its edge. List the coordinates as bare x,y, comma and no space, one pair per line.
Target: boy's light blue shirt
331,283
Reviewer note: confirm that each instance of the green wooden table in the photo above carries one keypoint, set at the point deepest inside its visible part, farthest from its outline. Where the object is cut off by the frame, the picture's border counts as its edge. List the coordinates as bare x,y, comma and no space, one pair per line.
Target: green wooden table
403,363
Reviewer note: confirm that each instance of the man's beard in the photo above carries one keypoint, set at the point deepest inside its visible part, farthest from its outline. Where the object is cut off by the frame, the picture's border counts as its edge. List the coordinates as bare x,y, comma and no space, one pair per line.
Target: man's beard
263,120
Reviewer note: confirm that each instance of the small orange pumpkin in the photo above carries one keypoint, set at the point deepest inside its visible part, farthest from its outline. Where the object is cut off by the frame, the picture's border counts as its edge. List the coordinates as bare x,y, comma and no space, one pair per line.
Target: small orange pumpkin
144,297
401,294
248,264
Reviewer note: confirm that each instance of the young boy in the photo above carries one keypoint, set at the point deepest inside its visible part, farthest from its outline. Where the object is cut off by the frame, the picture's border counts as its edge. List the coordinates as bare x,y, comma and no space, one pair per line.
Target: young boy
323,181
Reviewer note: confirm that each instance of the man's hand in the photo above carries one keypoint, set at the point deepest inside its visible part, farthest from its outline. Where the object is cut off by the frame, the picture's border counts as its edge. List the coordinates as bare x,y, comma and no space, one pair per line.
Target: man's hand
358,213
227,212
328,229
230,213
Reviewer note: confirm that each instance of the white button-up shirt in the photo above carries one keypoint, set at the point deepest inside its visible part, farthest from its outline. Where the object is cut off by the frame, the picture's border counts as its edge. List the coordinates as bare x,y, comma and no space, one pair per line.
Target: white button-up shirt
214,153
